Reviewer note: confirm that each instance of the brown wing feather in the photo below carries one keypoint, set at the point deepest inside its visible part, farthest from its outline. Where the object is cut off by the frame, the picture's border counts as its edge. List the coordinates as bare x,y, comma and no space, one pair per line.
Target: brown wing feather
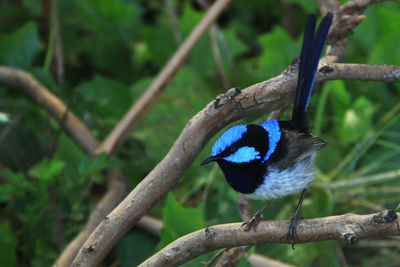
299,146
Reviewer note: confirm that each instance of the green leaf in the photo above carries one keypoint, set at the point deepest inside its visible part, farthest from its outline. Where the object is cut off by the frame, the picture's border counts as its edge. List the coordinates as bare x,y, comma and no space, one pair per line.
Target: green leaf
18,48
385,50
135,247
310,6
18,184
322,202
47,169
150,48
244,262
184,97
102,31
351,120
16,177
93,166
8,246
229,40
357,120
379,29
7,191
179,221
201,58
271,62
107,98
341,98
189,19
108,17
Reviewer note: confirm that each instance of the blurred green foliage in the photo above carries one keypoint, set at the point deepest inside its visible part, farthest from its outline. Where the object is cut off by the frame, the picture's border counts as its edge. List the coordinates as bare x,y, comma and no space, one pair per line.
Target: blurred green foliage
112,51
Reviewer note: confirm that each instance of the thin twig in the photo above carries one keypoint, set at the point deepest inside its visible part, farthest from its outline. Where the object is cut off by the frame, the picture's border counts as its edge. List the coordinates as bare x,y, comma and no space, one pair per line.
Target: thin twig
367,180
58,223
151,225
348,227
257,260
146,101
58,54
217,57
235,104
215,49
174,22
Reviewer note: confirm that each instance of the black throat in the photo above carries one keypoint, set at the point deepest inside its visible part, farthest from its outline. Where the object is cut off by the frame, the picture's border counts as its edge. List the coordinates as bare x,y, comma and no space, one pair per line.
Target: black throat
244,177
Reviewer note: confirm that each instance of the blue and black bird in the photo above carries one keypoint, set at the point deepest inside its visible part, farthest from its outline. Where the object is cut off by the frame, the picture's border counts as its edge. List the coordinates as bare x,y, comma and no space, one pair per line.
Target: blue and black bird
276,158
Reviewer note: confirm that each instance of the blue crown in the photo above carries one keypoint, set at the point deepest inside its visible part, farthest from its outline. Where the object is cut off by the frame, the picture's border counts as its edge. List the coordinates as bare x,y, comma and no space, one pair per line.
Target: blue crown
274,135
228,138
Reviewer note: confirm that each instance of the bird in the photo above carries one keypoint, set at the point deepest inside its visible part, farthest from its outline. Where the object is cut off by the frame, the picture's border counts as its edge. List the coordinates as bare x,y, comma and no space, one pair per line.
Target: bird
276,158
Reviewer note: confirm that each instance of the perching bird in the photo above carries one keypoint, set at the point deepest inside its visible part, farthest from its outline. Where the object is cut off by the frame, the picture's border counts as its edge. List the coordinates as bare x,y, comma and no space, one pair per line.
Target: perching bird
276,158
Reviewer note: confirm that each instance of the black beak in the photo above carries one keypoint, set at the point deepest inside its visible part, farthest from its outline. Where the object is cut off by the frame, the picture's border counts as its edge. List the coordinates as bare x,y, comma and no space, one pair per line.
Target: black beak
209,159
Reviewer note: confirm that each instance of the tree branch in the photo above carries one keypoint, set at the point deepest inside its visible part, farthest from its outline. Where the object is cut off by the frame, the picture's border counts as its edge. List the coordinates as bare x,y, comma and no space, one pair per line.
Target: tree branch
326,6
233,105
25,82
348,227
257,260
58,54
146,101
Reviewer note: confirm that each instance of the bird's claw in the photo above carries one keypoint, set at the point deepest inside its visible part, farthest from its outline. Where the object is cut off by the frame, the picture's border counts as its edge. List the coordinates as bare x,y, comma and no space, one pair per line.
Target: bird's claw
292,232
252,223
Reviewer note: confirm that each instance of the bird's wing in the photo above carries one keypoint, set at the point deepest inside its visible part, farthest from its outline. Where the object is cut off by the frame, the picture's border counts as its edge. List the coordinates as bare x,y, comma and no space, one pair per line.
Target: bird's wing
298,146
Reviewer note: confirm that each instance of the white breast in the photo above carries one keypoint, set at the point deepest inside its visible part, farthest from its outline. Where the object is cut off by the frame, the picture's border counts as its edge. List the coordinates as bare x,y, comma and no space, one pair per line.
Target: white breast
292,180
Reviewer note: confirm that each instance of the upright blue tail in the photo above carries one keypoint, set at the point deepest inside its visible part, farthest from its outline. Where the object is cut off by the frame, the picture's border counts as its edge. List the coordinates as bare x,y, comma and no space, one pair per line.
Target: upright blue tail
310,53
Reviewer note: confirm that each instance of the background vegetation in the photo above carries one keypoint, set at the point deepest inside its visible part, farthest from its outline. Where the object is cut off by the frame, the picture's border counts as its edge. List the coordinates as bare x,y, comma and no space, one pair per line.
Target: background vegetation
112,50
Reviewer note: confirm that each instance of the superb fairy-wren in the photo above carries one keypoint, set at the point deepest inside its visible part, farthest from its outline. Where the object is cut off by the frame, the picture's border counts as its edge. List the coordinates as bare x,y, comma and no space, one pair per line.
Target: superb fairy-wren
276,158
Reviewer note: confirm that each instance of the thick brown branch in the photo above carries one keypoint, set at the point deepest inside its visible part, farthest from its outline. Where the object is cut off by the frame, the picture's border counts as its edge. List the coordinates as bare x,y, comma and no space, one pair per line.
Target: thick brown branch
25,82
348,227
136,112
235,104
153,225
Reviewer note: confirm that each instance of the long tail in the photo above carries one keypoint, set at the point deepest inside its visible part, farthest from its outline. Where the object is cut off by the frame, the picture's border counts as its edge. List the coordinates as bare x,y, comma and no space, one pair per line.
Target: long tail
310,53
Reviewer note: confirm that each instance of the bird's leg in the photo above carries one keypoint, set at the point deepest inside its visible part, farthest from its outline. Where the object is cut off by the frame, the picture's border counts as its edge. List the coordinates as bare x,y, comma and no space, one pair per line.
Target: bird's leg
292,232
253,222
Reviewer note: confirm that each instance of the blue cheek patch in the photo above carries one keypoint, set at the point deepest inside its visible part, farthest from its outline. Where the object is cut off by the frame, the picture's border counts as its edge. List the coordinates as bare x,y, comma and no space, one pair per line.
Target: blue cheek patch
243,154
228,138
274,135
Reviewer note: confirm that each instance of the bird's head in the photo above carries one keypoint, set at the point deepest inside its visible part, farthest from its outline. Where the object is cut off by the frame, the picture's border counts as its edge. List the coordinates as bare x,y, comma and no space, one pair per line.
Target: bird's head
241,144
